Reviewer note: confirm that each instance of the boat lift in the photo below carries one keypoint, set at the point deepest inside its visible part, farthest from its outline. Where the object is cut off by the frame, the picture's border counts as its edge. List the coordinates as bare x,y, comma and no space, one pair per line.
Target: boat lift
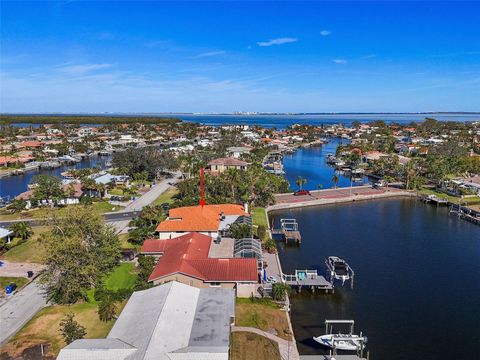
362,339
289,229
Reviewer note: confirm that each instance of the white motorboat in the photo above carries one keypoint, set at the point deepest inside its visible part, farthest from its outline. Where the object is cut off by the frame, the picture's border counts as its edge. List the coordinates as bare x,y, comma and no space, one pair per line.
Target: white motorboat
347,342
339,269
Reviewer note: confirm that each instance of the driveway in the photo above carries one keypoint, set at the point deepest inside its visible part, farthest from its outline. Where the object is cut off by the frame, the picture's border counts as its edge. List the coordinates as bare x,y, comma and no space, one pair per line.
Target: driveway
19,309
14,269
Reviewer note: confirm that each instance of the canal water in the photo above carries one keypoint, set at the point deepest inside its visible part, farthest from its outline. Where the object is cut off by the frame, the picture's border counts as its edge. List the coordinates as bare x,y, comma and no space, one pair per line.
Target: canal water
417,271
310,163
11,186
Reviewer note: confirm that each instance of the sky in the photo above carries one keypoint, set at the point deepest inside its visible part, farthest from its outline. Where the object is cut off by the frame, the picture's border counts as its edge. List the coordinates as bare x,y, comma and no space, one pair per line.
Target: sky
106,56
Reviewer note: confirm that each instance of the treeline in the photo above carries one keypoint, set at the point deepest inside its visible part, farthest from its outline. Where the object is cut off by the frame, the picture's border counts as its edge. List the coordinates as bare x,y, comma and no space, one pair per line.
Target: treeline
254,186
75,120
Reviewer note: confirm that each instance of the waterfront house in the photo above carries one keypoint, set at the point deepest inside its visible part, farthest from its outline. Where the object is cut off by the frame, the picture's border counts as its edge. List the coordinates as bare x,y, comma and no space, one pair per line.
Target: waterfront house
218,166
170,321
211,220
186,259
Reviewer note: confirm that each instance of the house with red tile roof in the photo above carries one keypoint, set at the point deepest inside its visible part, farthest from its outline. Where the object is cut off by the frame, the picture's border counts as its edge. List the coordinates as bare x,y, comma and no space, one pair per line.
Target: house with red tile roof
185,259
209,220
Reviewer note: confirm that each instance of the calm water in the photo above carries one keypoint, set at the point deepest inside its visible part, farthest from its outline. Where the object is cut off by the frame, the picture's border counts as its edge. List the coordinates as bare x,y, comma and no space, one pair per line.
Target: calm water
416,291
14,185
282,121
310,163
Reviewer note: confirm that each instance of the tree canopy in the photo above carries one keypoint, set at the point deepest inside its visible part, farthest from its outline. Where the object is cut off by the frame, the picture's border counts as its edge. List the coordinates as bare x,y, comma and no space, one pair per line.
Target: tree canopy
80,250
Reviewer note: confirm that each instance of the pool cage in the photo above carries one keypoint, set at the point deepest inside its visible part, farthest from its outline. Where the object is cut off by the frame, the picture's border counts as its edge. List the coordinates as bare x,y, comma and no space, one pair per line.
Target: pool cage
249,248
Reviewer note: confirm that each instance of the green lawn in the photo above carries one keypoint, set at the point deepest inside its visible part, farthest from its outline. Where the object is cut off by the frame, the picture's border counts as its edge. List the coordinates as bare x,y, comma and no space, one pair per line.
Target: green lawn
30,250
166,197
125,244
454,199
99,207
259,217
123,277
5,281
262,314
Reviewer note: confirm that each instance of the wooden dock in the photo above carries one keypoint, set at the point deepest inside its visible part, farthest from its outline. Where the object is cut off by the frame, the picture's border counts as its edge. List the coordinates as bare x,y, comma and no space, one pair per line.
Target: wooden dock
465,213
307,278
437,200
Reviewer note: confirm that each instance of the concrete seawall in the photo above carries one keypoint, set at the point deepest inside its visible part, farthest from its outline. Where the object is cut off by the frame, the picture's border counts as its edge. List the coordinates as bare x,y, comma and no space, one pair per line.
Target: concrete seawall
338,200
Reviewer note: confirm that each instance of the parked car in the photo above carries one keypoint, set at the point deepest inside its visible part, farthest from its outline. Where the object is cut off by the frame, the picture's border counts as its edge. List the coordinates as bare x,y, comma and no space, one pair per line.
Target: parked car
301,193
10,288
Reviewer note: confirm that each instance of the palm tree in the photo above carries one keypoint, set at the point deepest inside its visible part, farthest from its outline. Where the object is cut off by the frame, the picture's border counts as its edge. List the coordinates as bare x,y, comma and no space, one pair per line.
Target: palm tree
22,230
300,182
280,291
335,180
107,308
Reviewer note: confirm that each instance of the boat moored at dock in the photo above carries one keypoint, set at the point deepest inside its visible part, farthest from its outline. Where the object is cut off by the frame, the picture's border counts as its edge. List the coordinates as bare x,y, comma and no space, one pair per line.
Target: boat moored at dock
339,270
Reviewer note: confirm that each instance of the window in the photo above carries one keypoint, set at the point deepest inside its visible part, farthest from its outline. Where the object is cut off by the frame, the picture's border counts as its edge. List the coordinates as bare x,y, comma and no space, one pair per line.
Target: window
215,284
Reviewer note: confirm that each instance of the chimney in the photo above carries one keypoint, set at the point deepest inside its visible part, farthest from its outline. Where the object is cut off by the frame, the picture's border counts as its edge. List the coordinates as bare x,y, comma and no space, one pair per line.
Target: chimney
245,207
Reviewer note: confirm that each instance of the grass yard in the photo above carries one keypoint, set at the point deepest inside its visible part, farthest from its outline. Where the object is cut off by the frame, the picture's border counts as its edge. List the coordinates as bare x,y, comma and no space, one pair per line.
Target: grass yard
259,217
166,197
471,201
124,242
5,281
99,207
43,328
247,346
123,277
30,250
262,314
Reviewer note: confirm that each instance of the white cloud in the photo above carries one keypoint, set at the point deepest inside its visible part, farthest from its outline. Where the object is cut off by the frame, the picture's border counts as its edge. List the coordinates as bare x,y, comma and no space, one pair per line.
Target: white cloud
325,32
340,61
370,56
279,41
82,69
208,54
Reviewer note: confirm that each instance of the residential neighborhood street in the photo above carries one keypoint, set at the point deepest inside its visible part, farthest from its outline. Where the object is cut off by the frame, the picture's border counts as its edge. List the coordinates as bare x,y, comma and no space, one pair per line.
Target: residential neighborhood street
19,309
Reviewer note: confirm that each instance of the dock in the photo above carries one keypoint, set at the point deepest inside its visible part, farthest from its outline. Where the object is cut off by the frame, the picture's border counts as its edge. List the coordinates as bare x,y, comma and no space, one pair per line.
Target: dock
465,213
307,278
437,200
289,230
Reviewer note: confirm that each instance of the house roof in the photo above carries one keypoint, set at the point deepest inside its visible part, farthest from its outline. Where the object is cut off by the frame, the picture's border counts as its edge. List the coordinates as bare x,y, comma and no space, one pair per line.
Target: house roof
166,319
78,192
4,232
228,161
198,218
188,254
32,143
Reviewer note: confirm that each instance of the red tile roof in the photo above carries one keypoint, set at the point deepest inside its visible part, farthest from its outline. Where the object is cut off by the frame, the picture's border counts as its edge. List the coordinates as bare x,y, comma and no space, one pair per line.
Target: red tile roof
188,254
197,218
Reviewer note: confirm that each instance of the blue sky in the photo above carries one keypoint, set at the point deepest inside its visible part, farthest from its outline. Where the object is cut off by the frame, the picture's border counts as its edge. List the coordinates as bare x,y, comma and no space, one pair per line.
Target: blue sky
76,56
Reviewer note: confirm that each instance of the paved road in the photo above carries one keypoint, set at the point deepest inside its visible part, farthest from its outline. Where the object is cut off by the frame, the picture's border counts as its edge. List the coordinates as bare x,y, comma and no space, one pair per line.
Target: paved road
19,309
152,194
132,210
